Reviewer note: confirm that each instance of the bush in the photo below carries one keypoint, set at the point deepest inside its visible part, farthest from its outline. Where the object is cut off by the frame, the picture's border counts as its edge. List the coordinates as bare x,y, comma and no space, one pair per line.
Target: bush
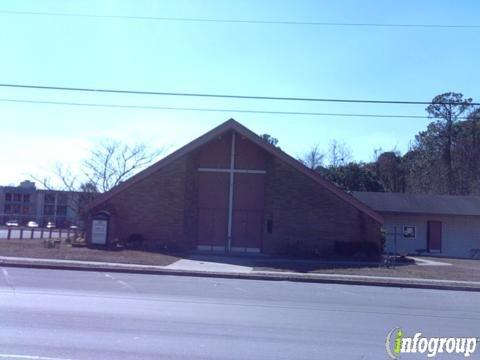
134,242
383,240
363,249
292,250
297,249
162,246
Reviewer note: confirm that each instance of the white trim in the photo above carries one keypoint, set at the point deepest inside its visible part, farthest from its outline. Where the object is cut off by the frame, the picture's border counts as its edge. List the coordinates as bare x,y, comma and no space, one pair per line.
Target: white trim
236,171
414,232
214,170
230,195
210,248
245,250
231,171
241,171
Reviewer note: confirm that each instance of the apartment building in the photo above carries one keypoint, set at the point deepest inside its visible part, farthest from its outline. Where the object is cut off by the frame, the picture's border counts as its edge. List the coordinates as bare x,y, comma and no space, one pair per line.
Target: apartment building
26,203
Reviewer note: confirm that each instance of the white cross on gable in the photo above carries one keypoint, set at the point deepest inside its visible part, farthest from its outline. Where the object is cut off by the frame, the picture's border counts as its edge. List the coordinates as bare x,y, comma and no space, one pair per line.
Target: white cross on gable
231,171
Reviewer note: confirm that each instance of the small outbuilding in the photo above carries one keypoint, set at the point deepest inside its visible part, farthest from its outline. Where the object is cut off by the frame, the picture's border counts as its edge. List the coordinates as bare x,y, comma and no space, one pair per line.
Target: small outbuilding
230,191
442,225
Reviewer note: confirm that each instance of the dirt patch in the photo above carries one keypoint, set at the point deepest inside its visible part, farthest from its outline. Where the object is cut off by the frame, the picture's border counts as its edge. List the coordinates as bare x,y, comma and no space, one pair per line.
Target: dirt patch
35,249
460,269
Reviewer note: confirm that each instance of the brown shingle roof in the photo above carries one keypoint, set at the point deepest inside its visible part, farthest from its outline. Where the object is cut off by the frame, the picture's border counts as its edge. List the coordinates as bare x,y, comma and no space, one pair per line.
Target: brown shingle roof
420,203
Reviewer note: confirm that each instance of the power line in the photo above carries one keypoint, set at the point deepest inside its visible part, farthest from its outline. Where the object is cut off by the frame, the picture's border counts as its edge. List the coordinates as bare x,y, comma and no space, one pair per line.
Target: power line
244,97
151,107
240,21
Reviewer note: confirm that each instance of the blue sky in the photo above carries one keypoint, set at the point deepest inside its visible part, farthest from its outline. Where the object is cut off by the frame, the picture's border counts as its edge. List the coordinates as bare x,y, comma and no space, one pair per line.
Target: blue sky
253,59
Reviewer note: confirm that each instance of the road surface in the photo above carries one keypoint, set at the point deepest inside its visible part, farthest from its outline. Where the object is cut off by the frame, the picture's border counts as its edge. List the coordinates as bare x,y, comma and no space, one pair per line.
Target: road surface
54,314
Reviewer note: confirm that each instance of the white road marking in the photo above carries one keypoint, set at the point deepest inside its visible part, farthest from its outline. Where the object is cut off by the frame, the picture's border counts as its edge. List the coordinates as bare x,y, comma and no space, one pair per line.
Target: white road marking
121,282
7,278
109,276
30,357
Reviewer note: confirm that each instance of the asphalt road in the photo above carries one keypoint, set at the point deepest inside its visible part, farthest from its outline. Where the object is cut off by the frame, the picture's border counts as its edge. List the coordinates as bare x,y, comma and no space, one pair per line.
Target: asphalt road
53,314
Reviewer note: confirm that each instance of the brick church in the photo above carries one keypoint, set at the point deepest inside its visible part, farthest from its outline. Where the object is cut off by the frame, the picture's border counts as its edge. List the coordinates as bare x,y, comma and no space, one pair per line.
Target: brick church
230,191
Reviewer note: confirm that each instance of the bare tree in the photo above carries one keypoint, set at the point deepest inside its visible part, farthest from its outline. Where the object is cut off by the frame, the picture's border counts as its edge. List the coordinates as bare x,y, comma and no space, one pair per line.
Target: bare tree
109,163
339,153
313,158
112,162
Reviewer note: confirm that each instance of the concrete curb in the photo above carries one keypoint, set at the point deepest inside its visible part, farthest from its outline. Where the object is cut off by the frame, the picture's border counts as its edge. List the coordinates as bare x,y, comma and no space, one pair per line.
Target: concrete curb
305,278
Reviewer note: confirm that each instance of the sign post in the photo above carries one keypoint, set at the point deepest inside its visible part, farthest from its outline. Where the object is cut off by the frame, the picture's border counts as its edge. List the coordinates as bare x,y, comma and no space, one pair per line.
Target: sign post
99,229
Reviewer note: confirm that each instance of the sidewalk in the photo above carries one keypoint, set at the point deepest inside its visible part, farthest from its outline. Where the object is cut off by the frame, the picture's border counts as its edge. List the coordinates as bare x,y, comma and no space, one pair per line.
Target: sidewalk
200,268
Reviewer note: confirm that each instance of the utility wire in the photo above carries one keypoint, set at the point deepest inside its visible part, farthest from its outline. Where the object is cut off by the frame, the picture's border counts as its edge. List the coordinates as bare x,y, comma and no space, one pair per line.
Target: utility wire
240,21
149,107
249,97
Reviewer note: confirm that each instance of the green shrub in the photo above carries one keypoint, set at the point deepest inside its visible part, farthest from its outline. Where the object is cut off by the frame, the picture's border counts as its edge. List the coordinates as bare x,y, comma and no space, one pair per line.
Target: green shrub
363,249
134,242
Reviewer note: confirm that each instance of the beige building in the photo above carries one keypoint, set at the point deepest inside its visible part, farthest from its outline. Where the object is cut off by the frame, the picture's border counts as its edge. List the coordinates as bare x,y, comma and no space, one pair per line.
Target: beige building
440,225
26,203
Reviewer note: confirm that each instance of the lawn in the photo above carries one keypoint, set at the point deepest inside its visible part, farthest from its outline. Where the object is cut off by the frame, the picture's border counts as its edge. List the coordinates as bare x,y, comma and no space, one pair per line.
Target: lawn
459,269
35,249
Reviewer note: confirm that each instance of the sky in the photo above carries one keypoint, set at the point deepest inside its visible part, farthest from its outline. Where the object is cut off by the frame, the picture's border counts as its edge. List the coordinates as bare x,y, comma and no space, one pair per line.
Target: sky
354,62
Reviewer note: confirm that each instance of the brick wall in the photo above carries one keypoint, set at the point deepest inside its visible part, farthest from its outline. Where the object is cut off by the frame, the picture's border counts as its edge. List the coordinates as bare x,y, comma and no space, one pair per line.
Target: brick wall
154,207
164,209
305,214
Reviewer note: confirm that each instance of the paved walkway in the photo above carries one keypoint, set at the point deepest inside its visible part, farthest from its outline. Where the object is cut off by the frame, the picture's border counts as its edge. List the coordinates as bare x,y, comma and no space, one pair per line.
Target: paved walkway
426,262
200,265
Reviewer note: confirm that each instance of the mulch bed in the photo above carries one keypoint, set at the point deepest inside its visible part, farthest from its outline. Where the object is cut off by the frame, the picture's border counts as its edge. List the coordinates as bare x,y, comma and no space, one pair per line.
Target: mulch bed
35,249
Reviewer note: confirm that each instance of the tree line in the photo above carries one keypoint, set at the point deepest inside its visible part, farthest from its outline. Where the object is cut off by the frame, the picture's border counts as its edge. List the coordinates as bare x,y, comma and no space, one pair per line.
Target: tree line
442,159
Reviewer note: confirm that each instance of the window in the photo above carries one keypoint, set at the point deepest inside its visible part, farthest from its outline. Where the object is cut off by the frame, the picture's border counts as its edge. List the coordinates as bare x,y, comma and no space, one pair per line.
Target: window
270,226
8,209
17,197
25,210
62,198
61,210
409,232
49,209
8,197
26,197
50,198
16,209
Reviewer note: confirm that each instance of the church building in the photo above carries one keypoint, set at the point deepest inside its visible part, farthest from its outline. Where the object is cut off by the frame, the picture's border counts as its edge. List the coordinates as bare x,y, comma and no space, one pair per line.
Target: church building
230,191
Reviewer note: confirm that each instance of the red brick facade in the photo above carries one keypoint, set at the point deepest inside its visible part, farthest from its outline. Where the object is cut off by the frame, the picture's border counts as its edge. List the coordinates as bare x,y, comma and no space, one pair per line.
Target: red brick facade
299,212
305,215
154,207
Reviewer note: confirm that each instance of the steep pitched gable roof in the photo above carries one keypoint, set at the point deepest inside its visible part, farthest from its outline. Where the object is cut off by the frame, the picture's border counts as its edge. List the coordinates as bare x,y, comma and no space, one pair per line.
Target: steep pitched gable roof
250,135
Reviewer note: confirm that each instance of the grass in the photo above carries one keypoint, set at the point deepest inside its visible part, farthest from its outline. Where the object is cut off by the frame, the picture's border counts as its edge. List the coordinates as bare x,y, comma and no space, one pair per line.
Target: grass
35,249
459,269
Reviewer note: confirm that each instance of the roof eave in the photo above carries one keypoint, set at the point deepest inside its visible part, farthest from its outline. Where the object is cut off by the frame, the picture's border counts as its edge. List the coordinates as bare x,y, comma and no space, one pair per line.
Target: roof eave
242,130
